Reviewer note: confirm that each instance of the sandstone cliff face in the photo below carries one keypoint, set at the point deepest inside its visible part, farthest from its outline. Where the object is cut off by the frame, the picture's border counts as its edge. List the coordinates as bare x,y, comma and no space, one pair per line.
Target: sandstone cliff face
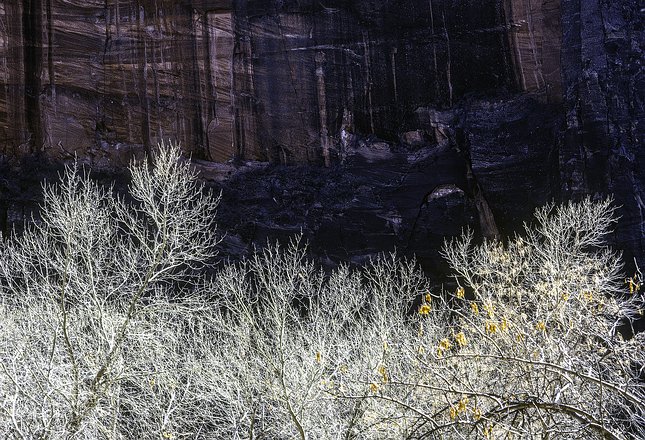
434,113
96,77
267,80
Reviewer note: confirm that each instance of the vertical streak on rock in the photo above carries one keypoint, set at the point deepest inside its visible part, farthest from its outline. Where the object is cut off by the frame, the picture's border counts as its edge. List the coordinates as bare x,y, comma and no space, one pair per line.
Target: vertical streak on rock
194,92
350,103
538,77
303,89
156,65
515,46
210,57
143,89
183,91
322,107
368,78
244,91
535,38
346,130
124,81
104,112
347,123
434,52
13,125
32,28
4,80
117,19
219,95
501,11
201,96
449,60
393,63
50,53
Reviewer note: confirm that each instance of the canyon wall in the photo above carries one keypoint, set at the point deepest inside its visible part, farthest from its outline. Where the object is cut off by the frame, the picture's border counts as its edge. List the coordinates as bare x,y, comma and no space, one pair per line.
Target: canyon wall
101,78
265,80
435,114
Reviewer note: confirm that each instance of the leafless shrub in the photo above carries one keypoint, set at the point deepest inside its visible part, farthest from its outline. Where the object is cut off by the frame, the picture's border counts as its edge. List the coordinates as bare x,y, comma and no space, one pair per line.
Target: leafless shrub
532,349
77,290
96,340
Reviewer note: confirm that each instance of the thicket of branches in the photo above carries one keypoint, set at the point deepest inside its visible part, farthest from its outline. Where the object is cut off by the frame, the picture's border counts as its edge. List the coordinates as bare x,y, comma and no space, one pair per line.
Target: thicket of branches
109,329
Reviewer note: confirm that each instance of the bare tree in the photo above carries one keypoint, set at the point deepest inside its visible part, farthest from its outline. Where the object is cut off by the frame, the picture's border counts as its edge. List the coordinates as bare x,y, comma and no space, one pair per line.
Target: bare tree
78,294
109,329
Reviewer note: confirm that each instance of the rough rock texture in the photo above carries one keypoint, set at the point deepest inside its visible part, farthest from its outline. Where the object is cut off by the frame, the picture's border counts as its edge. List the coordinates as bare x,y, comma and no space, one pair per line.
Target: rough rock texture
408,200
602,147
366,124
535,39
408,196
376,62
255,79
106,78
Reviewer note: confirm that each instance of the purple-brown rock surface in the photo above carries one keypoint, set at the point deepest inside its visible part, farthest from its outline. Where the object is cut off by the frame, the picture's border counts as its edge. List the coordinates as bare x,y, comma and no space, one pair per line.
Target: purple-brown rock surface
368,124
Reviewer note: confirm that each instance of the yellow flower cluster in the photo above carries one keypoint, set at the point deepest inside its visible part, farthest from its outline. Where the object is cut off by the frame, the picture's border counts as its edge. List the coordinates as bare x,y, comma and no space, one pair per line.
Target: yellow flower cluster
540,326
424,310
460,293
373,387
444,345
462,406
491,327
490,309
634,285
383,372
474,307
587,295
461,340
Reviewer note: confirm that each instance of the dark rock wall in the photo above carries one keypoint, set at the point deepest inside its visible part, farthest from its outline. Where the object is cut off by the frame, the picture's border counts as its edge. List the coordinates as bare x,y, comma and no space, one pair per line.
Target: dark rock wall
424,115
247,78
376,62
602,145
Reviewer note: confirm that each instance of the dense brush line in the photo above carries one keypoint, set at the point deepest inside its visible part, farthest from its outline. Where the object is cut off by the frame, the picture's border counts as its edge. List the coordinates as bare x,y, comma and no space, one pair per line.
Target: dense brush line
97,342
